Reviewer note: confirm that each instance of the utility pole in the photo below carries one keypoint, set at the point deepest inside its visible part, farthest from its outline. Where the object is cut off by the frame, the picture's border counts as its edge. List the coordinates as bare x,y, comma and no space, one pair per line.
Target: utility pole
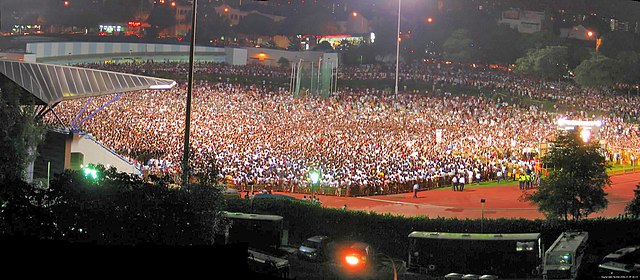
187,124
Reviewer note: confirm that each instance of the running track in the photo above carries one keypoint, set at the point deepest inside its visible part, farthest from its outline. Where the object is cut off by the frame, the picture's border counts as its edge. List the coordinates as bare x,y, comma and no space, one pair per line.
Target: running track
501,201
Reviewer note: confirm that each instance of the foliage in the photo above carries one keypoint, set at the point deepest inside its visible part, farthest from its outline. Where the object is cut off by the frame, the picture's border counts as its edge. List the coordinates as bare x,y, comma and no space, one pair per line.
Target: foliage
614,43
19,132
599,71
633,207
257,24
460,47
550,62
575,185
162,16
23,212
629,62
323,46
120,209
284,62
540,39
498,45
211,26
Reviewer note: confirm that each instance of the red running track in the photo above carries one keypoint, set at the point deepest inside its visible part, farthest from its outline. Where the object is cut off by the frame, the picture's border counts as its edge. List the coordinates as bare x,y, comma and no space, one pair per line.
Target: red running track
501,201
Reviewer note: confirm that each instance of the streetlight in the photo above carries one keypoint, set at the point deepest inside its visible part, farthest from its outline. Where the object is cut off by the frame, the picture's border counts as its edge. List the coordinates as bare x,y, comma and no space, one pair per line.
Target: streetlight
398,48
187,126
482,217
314,177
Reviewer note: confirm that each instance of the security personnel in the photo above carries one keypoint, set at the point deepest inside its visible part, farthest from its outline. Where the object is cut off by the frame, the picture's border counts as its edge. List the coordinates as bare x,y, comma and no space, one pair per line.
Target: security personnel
521,181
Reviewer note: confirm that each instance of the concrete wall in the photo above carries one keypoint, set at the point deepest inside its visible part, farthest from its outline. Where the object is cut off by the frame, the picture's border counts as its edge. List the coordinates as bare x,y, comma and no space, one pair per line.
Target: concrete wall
62,49
95,153
270,56
236,56
70,52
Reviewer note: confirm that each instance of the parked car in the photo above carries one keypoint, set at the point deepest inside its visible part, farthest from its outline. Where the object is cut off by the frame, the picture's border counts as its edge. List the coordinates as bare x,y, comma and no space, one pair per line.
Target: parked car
623,262
316,248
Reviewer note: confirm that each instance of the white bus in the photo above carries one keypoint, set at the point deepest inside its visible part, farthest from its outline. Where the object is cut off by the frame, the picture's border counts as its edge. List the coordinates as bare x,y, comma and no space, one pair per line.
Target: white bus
563,259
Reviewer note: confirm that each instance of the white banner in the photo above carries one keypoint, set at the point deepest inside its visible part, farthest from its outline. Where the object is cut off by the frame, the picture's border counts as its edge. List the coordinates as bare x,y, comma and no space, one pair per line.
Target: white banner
438,135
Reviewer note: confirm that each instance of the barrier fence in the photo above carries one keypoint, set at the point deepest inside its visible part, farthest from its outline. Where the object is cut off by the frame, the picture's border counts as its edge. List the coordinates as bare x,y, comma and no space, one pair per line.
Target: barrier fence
376,189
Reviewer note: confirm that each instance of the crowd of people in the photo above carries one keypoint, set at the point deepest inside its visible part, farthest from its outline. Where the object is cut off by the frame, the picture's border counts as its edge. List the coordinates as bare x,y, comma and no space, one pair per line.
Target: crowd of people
360,141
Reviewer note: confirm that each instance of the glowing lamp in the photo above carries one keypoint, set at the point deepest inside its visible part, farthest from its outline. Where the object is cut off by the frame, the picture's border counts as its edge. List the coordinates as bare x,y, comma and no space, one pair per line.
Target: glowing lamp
314,176
352,260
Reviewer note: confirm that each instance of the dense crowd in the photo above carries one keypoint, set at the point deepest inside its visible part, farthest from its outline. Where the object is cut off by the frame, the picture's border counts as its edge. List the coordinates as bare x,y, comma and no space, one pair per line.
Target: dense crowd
361,141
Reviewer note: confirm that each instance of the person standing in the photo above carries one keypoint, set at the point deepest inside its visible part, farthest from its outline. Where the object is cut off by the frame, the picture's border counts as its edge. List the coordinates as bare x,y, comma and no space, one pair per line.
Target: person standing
461,183
415,190
454,183
499,175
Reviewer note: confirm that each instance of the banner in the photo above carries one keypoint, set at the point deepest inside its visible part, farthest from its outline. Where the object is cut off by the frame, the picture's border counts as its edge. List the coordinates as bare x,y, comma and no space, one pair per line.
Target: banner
438,135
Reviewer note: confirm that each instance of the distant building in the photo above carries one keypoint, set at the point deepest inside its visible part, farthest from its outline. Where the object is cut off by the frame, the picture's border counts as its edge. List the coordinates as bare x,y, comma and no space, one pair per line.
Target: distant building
235,16
522,20
355,23
577,32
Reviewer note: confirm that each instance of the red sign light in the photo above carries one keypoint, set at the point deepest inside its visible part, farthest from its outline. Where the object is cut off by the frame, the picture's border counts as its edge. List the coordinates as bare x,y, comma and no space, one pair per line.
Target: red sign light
134,23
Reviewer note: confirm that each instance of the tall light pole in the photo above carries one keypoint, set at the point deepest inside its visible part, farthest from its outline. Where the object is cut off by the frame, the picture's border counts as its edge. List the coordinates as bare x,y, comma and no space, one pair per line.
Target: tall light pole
398,48
187,123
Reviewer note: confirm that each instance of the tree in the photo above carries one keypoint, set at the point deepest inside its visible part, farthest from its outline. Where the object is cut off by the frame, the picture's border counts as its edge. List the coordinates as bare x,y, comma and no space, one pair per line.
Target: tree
257,24
162,16
323,46
19,130
633,207
550,62
540,39
630,62
284,62
614,43
211,27
121,209
499,46
460,47
576,182
599,71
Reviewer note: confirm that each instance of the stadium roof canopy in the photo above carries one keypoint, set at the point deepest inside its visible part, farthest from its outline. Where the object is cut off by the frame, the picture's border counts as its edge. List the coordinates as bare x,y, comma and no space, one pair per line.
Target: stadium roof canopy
51,84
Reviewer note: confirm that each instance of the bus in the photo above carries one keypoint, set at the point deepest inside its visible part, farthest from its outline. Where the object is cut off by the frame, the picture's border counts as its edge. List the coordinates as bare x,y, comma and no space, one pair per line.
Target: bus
563,259
263,232
507,255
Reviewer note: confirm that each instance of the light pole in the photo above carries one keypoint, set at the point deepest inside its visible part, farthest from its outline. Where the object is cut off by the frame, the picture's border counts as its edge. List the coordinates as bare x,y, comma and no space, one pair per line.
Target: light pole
187,124
398,48
482,217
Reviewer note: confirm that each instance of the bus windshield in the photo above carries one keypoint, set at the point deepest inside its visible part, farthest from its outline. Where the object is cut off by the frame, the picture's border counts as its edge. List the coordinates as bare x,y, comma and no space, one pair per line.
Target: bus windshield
560,258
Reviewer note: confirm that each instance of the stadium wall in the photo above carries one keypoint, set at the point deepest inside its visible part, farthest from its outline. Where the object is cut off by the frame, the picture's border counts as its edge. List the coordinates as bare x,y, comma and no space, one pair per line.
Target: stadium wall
63,52
93,152
84,52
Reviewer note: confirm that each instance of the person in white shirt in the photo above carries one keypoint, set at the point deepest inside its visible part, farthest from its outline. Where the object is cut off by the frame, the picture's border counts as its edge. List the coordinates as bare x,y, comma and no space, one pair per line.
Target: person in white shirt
454,183
461,183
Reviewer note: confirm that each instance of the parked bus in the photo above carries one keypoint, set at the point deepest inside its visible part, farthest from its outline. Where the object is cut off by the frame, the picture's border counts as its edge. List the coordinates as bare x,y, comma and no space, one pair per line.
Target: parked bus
507,255
564,257
263,232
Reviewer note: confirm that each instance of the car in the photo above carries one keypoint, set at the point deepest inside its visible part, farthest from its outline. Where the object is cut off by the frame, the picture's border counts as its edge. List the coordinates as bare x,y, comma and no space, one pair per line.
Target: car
623,262
316,248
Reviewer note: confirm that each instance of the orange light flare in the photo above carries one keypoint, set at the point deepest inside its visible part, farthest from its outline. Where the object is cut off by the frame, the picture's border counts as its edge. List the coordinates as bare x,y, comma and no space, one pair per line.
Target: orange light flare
355,14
